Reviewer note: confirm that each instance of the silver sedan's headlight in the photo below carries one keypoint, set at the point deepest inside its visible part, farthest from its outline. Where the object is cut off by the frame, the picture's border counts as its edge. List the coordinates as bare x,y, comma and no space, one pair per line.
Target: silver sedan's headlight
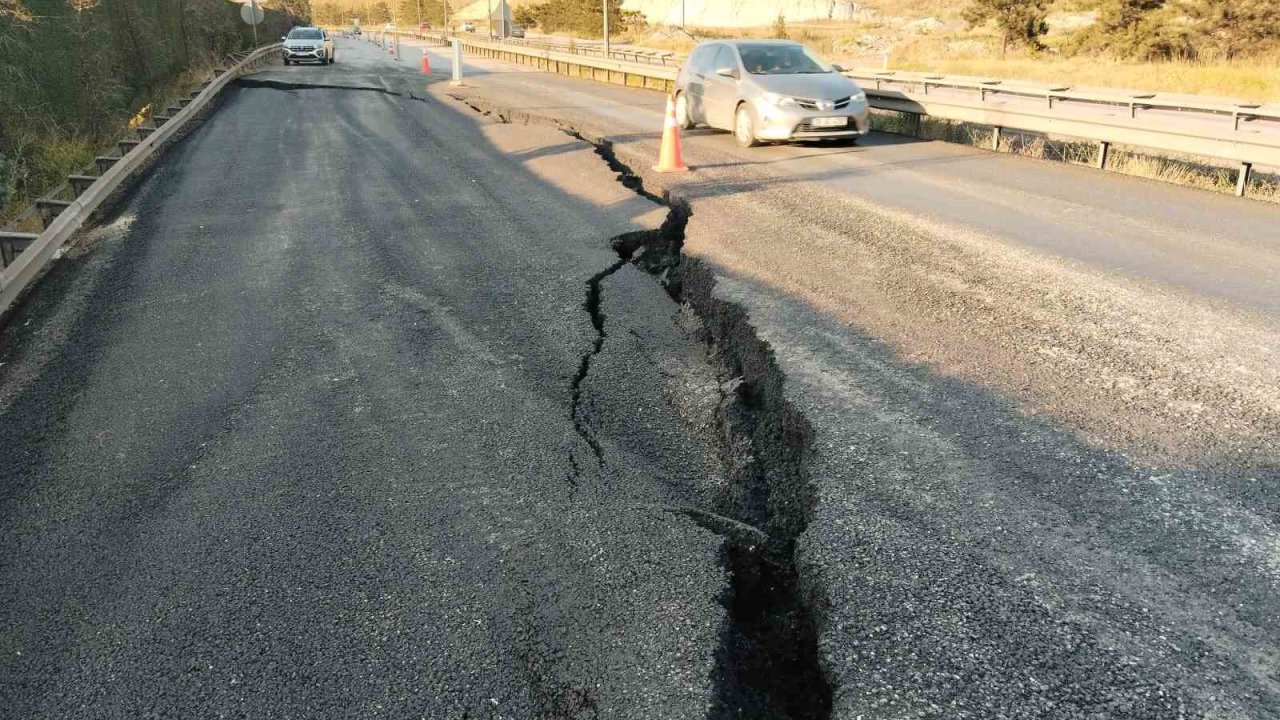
778,100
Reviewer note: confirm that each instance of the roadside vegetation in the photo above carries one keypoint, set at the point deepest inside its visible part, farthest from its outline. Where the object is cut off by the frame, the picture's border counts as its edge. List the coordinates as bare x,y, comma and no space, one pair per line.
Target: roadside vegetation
74,72
406,13
1221,48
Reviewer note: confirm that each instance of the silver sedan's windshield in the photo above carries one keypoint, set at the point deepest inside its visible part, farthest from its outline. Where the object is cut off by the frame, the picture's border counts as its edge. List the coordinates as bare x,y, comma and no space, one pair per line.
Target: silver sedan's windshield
780,60
308,34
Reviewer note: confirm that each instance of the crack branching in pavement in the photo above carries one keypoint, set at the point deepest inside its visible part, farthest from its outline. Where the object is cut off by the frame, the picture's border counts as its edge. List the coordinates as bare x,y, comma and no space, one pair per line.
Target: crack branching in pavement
768,662
592,306
287,86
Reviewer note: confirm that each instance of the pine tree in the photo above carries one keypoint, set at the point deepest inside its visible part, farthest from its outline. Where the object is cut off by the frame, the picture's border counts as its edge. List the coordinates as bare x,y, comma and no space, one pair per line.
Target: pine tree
1019,21
1231,28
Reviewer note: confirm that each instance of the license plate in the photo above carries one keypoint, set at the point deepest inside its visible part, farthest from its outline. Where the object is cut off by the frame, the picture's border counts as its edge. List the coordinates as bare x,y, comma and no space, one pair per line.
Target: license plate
830,122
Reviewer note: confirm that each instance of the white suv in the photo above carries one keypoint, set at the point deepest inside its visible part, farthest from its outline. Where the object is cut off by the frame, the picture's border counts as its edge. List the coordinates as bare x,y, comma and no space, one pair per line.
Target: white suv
308,44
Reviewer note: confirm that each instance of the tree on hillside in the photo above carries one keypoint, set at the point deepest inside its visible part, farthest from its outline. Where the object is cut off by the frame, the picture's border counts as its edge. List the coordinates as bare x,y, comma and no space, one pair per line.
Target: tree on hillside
300,10
1020,22
15,10
328,13
581,17
780,27
524,15
1231,28
1135,29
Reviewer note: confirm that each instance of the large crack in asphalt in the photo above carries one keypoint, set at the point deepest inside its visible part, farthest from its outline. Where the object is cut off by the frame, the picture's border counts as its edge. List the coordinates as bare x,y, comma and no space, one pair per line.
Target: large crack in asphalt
288,86
596,312
768,664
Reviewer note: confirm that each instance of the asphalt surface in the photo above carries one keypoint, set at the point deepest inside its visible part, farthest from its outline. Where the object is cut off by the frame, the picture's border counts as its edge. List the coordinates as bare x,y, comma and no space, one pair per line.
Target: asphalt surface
351,411
1043,408
293,434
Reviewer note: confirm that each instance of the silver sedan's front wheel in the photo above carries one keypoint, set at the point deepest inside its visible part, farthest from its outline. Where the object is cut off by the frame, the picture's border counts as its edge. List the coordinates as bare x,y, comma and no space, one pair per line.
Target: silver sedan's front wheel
744,126
682,112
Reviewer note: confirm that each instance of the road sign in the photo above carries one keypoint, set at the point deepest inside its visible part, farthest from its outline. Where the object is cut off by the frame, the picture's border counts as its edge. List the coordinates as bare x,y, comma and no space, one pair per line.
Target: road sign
251,13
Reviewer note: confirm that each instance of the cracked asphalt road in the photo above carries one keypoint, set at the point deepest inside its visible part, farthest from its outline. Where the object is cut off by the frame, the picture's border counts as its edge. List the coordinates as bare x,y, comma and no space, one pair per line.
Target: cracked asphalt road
1043,403
294,434
291,435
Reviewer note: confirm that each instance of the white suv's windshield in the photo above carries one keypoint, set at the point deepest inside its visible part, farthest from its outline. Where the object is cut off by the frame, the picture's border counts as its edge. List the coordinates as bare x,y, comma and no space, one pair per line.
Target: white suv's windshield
765,59
305,34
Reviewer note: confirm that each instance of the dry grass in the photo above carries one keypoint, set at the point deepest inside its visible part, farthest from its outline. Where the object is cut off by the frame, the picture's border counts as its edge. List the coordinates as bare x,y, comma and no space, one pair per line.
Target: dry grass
41,161
43,156
1252,80
960,51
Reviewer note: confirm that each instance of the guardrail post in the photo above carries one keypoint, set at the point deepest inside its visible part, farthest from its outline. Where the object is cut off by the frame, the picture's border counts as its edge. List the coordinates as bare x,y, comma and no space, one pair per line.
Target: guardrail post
457,64
1242,180
1104,150
995,138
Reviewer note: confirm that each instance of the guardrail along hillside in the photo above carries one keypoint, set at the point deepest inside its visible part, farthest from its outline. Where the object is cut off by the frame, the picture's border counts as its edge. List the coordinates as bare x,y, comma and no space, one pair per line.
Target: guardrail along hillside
25,255
1245,135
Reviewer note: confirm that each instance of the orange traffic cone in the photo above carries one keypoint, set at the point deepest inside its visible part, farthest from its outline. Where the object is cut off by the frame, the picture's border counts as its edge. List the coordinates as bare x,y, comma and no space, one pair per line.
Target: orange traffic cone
426,64
669,159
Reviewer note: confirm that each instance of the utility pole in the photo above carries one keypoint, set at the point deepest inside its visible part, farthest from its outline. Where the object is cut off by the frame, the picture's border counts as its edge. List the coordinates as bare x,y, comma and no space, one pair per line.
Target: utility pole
490,23
682,14
419,13
253,10
605,3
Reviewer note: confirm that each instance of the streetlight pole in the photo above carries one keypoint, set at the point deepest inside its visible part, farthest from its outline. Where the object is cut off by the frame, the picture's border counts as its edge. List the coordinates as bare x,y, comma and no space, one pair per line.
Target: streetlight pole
396,38
490,23
605,3
253,14
419,13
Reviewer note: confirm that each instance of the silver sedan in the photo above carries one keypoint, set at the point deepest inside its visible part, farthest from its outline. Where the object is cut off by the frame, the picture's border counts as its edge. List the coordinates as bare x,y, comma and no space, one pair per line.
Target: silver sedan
769,90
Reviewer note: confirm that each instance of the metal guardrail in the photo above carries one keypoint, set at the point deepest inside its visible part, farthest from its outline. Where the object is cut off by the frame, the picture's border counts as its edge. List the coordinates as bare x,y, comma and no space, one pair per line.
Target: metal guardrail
1051,94
42,248
1233,141
652,76
636,55
1190,127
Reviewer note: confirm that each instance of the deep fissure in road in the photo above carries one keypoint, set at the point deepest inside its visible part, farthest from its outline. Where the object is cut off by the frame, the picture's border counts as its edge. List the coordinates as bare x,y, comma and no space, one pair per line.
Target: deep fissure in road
592,306
768,663
285,86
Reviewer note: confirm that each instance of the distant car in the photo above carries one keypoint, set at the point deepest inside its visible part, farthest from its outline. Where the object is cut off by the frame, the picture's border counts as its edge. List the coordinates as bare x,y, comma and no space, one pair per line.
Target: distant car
517,31
308,44
769,90
468,27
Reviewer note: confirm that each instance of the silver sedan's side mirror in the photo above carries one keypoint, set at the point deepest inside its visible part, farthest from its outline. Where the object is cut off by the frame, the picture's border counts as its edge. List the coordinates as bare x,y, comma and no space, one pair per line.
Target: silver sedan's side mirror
725,72
282,38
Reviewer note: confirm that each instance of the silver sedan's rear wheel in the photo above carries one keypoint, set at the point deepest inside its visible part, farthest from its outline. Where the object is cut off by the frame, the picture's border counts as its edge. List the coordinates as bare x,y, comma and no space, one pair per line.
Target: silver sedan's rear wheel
744,126
682,112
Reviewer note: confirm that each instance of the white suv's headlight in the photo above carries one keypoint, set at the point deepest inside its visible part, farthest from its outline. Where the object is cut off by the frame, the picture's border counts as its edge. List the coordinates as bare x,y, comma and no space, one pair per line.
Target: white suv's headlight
776,99
859,97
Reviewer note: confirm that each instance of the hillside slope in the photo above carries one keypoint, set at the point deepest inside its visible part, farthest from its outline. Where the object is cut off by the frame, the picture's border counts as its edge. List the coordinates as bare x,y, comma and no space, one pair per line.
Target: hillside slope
742,13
